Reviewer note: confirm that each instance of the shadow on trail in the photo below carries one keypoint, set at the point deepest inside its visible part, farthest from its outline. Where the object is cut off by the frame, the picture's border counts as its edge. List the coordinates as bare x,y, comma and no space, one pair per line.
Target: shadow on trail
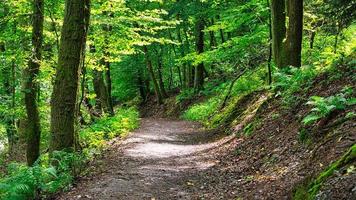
154,162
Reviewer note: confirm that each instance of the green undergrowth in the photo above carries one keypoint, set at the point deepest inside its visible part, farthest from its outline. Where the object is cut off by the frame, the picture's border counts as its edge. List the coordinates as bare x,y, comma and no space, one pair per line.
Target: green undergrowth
51,174
94,137
210,107
309,190
236,110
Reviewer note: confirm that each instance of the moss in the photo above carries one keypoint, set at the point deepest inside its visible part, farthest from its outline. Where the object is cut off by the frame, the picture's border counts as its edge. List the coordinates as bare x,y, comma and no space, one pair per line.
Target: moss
309,191
236,111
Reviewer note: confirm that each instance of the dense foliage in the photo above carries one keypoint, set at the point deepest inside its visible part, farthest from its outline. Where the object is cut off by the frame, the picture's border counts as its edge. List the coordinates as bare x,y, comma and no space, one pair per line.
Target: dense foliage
216,51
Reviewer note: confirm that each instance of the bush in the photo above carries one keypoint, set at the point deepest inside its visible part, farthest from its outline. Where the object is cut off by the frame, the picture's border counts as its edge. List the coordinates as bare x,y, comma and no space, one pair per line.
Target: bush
50,175
94,138
43,178
290,80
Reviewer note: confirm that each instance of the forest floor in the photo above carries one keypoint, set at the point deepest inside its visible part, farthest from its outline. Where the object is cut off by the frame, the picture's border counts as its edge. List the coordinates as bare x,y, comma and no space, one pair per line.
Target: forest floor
155,162
172,159
179,160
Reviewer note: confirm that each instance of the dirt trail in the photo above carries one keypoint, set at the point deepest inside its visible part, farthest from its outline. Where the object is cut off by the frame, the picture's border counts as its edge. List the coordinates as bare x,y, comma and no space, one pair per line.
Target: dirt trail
155,162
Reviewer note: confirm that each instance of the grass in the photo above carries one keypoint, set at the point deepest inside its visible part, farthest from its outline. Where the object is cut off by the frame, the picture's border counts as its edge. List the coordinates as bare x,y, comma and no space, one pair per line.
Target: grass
210,108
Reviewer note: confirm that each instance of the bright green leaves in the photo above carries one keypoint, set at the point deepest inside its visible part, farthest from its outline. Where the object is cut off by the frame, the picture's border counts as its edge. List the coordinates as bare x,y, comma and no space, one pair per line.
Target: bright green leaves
324,106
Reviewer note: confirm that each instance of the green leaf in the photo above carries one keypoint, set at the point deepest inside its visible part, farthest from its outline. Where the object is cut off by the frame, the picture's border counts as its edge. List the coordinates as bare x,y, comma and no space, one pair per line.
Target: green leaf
311,119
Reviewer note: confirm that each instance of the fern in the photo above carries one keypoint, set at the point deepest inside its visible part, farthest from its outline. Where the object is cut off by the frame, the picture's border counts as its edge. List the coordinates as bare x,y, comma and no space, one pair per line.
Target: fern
322,107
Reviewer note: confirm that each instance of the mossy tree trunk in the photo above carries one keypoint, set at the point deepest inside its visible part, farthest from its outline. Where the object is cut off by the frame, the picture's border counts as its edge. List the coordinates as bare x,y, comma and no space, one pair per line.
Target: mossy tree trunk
65,89
31,87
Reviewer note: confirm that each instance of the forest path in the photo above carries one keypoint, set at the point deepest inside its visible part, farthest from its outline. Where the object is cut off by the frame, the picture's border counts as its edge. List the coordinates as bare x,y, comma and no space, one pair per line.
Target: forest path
154,162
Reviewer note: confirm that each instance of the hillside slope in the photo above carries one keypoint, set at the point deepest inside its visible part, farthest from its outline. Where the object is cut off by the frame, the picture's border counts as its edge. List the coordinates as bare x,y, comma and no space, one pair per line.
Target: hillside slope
276,156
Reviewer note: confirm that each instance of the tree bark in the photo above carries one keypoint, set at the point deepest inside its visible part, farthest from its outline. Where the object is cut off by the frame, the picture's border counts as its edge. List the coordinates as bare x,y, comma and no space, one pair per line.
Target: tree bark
287,43
109,87
269,64
182,53
312,39
65,90
221,33
31,87
212,37
199,70
160,77
294,33
101,91
278,31
153,77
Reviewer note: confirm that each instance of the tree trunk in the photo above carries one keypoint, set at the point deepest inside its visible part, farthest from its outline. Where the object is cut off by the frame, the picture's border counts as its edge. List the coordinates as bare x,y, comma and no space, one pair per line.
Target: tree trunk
153,77
9,88
178,67
336,41
65,90
140,84
109,87
31,87
212,37
287,43
190,70
312,39
278,31
160,77
221,33
8,120
101,91
269,64
199,70
108,30
294,33
183,80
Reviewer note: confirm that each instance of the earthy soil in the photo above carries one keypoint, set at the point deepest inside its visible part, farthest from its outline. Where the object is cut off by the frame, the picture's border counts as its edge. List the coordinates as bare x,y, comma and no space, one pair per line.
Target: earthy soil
155,162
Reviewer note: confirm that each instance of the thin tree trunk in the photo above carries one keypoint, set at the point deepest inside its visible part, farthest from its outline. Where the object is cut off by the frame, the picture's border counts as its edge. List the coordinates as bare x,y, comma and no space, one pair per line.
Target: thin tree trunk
312,39
153,77
65,90
190,69
178,67
160,77
102,103
182,52
141,85
270,48
336,40
109,87
31,87
221,33
212,37
9,122
108,30
199,70
228,94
